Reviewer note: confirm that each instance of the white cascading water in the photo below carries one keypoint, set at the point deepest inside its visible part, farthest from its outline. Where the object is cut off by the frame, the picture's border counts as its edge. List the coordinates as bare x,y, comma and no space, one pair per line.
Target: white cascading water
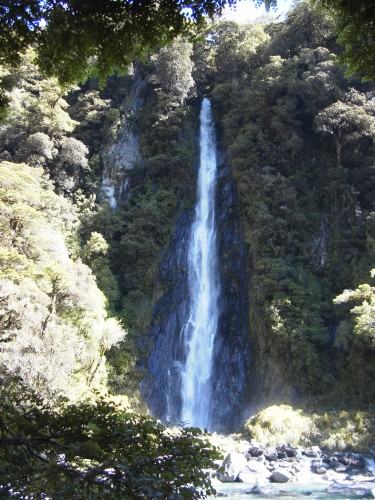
108,190
200,330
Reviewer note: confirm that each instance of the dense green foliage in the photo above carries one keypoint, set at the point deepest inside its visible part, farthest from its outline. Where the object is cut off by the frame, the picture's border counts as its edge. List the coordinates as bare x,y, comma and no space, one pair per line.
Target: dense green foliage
355,30
356,335
72,36
53,323
75,38
99,449
64,133
94,449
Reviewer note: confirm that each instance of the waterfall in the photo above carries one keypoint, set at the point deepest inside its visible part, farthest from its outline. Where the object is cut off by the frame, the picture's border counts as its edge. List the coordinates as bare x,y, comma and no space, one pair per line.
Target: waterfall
199,368
108,190
200,329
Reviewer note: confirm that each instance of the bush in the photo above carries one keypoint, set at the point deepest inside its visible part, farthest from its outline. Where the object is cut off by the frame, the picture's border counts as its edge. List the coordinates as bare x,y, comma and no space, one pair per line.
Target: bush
95,449
278,425
336,430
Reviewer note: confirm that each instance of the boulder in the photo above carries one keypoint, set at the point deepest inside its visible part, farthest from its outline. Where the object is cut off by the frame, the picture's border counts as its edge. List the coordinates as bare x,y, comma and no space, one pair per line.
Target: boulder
255,451
317,449
280,476
284,465
312,453
318,469
290,451
271,455
231,467
253,472
267,490
261,460
338,467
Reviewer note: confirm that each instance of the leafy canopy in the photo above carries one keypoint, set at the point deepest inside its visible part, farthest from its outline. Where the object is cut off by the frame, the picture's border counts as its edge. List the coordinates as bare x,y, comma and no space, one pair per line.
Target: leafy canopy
109,33
71,36
54,328
355,28
95,450
363,311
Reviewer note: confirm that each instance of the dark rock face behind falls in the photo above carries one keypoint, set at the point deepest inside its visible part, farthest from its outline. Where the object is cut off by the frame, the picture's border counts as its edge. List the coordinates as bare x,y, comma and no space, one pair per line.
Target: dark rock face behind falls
162,385
231,372
230,377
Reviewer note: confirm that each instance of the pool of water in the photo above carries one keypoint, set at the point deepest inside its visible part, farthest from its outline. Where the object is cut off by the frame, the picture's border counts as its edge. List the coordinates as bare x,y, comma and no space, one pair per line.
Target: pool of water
238,491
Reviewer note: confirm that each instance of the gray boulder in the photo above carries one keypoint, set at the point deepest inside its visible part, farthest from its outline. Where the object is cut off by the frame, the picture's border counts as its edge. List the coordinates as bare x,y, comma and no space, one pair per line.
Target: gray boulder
253,472
318,469
271,455
313,452
290,451
280,476
231,467
266,490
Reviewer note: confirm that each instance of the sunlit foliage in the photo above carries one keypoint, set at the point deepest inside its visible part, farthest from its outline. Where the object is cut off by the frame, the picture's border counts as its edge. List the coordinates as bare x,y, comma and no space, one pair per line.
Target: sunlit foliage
54,327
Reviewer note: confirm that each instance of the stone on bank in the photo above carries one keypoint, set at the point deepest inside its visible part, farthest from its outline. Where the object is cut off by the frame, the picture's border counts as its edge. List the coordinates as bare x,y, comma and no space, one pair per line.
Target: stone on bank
261,466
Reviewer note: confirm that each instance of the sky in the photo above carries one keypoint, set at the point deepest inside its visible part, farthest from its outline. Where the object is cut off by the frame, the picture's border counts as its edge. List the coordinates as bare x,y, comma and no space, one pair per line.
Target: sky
246,10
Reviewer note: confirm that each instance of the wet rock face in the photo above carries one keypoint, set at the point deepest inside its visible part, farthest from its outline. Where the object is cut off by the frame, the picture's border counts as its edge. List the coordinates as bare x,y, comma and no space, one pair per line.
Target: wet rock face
231,373
162,385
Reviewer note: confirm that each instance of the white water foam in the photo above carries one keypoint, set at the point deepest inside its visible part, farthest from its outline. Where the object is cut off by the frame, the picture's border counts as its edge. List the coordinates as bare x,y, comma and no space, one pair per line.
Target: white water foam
200,330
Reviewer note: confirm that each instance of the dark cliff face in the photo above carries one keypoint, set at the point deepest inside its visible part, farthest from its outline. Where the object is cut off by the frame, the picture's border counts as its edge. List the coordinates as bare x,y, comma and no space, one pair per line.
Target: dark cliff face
232,368
162,384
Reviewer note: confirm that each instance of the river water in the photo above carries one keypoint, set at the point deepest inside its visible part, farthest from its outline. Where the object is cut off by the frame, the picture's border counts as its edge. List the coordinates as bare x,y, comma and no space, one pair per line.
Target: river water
293,491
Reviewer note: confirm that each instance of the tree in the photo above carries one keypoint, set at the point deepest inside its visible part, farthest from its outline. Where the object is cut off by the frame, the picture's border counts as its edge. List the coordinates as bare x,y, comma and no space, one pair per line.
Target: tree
173,72
347,121
364,311
92,450
35,106
94,254
230,46
53,322
36,150
322,81
73,152
110,33
91,112
305,27
355,341
355,28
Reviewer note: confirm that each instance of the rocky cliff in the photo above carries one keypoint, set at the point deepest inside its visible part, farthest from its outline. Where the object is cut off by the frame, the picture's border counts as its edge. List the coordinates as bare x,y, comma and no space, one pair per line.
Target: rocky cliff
123,153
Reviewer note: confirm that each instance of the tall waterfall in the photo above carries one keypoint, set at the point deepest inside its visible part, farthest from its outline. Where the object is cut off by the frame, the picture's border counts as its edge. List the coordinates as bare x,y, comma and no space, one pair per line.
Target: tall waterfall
200,365
200,330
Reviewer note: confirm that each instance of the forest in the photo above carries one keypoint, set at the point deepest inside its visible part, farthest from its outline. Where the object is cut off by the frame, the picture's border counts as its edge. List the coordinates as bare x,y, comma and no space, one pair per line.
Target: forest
96,173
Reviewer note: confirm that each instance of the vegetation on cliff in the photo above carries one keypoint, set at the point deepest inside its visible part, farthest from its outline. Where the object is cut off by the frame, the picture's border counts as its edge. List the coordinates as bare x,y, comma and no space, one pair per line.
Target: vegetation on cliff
54,326
299,135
